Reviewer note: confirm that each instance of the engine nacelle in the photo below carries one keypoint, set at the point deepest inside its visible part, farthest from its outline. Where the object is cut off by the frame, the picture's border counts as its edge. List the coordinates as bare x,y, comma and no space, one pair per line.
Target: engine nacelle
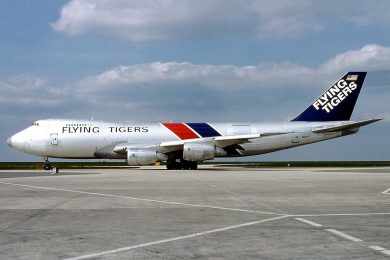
197,152
143,156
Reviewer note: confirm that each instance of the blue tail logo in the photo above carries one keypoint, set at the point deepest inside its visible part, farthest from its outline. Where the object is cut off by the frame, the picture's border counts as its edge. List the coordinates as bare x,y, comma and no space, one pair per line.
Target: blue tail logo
336,103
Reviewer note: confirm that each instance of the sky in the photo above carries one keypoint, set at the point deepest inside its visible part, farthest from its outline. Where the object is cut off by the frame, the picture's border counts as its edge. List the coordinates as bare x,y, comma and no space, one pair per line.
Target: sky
182,60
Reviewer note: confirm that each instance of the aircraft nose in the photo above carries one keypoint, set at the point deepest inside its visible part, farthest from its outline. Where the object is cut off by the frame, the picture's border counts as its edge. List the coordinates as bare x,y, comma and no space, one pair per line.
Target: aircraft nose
9,141
17,141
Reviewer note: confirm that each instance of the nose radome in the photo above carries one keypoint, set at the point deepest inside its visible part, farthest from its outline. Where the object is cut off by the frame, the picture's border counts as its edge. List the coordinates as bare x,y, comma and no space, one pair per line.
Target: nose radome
17,141
9,142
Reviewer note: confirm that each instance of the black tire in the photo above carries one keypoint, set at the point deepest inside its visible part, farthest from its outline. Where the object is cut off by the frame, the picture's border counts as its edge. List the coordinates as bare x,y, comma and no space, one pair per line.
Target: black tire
194,166
173,165
188,165
185,165
47,167
170,166
182,165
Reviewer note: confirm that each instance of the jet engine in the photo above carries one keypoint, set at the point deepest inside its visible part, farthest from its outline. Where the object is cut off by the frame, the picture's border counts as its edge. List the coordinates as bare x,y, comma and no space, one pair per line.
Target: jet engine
197,152
144,156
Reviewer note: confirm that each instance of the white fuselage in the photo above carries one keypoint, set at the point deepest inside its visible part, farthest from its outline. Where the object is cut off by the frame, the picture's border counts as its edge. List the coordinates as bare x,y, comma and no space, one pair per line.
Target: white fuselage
96,139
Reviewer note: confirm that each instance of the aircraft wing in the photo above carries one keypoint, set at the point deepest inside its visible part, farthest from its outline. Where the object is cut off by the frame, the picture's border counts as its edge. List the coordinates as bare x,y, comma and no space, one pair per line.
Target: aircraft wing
345,126
219,141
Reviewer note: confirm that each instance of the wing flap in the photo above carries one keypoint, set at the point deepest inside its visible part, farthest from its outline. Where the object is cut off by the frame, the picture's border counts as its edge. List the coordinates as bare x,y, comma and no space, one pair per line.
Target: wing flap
122,147
223,141
220,141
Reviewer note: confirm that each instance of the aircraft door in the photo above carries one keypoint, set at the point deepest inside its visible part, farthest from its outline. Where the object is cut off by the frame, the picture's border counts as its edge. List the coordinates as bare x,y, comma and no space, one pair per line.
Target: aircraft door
54,139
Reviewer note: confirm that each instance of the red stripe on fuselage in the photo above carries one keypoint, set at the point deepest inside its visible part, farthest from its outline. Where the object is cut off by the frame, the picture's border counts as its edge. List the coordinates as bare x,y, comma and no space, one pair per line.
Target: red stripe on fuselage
181,130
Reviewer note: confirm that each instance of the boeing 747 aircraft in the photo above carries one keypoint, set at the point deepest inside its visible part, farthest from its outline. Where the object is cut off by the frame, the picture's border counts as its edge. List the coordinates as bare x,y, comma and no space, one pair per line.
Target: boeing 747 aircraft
184,145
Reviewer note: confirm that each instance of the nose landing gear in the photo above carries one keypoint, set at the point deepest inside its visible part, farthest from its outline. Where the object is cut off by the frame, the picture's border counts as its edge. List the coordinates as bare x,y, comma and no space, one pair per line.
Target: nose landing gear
49,167
46,165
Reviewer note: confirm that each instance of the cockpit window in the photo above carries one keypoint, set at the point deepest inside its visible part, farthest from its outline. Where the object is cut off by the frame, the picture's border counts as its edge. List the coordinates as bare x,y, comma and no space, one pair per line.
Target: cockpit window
36,123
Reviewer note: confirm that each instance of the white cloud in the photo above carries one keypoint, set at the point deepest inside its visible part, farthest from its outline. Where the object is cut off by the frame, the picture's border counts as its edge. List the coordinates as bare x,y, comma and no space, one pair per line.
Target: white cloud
166,19
184,74
29,90
155,87
370,57
284,17
187,74
148,19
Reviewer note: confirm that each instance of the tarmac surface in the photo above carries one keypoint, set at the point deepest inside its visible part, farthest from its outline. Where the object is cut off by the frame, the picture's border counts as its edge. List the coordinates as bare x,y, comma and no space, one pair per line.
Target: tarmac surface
212,213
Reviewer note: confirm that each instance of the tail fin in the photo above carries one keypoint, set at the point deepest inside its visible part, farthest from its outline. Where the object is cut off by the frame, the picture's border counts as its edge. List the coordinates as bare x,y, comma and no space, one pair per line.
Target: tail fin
336,103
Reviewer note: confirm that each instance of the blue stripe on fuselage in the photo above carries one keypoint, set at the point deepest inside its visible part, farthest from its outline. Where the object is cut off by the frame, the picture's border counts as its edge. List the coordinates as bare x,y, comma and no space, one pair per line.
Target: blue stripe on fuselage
203,129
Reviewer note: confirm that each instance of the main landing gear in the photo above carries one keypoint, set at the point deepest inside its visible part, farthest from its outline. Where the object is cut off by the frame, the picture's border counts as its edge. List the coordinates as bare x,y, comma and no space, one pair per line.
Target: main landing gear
173,164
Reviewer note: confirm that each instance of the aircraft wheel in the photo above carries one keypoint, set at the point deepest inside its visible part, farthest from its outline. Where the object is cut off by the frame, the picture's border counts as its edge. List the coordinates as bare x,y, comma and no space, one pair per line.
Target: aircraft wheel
182,165
188,165
47,166
173,165
194,166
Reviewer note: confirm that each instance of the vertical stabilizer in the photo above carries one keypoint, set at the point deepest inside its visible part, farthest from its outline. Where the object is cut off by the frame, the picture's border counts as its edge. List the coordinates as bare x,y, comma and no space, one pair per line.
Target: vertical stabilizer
336,103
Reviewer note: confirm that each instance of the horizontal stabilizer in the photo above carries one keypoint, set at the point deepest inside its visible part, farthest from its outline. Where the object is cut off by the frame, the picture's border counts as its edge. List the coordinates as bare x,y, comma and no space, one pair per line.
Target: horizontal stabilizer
346,126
